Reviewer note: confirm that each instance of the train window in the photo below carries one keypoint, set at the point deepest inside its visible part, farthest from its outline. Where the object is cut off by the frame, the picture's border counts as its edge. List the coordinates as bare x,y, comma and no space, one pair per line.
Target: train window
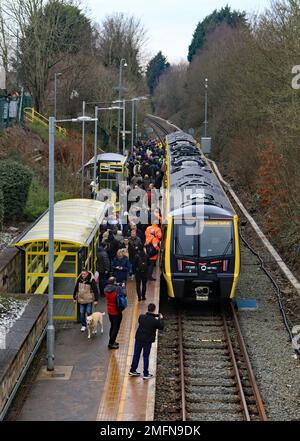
216,239
185,244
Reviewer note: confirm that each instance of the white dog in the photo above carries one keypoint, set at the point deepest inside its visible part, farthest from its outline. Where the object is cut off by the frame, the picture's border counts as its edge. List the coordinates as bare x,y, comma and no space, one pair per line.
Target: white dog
92,322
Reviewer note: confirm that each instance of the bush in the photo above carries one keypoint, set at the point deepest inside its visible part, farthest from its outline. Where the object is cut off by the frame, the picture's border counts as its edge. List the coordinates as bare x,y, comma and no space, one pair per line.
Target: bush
15,180
1,209
37,201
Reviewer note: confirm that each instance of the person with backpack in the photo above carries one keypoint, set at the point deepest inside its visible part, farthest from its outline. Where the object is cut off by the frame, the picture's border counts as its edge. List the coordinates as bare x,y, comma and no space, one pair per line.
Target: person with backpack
144,337
86,294
152,246
141,264
111,245
112,291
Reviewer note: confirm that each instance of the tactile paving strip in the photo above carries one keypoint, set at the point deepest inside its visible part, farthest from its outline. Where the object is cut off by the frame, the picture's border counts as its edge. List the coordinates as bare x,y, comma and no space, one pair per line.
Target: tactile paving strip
109,405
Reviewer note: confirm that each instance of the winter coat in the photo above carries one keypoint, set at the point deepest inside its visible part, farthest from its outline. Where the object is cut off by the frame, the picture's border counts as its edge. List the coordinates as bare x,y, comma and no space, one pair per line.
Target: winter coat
141,263
110,292
156,244
158,182
154,230
148,324
103,262
134,245
111,246
86,290
121,274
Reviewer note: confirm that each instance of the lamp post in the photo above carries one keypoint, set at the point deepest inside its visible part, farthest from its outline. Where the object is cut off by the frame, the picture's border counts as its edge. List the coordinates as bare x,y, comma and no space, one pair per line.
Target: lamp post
132,123
58,74
50,326
120,87
82,149
97,117
124,128
205,122
134,126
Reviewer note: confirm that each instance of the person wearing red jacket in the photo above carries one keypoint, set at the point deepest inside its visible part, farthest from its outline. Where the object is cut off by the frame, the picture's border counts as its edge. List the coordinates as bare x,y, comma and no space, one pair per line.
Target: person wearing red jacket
115,317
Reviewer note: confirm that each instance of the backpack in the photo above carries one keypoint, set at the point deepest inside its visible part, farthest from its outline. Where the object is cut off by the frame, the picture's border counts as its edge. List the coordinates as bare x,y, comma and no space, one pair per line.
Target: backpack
142,265
151,251
121,301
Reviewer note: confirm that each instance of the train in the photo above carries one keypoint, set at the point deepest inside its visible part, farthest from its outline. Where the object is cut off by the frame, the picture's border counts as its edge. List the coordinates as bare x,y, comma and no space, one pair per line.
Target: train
201,250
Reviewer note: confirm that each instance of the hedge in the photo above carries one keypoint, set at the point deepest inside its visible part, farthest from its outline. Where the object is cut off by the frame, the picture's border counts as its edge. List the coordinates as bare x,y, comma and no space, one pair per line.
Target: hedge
1,209
15,180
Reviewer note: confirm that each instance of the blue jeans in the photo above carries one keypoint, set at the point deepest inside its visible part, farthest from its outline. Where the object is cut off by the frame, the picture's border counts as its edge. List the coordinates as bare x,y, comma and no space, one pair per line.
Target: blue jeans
138,347
85,309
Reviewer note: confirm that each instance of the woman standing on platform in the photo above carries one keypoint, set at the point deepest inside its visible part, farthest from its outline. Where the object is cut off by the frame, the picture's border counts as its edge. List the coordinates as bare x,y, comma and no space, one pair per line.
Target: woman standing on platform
86,293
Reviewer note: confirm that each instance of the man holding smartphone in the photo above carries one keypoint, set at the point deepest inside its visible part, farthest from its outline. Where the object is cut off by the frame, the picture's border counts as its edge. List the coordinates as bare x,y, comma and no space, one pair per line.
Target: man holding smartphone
144,337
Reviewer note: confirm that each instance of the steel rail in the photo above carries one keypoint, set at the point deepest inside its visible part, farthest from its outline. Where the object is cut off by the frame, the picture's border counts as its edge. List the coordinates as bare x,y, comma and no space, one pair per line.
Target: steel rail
259,403
181,361
236,370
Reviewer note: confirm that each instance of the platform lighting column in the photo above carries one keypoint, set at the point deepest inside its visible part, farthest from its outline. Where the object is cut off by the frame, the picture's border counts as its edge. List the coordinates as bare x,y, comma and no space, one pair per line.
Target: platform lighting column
58,74
205,122
95,143
82,149
50,326
123,63
132,122
124,123
136,122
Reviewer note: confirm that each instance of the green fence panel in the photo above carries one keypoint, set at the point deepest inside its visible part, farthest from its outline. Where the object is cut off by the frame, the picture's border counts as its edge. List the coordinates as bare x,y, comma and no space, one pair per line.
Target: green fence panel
12,110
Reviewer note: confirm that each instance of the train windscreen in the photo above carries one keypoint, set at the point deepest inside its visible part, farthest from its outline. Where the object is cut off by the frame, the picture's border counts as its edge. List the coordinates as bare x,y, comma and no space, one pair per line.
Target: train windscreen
215,239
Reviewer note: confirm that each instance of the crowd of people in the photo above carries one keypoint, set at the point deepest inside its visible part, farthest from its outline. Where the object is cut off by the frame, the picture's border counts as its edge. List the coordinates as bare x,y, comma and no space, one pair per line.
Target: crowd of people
129,247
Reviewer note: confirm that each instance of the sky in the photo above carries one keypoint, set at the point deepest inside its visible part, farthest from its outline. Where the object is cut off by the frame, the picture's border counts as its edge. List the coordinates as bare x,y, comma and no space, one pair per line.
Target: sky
170,24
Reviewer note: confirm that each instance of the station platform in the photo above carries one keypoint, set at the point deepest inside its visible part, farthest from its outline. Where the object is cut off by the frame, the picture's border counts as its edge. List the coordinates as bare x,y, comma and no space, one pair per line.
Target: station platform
91,382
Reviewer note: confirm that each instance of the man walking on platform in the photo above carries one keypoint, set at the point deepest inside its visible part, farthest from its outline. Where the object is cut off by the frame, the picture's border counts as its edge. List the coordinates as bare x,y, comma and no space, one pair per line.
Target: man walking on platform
144,337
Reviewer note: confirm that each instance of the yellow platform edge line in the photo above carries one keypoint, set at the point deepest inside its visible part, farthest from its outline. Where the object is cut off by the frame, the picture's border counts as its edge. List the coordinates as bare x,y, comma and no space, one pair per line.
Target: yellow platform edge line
128,361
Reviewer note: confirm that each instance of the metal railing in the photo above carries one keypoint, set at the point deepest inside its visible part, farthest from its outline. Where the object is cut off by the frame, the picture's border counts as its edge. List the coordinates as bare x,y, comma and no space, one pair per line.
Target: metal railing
34,117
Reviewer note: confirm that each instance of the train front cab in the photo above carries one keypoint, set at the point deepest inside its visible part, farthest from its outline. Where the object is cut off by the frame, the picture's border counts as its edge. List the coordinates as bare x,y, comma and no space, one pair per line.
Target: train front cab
76,233
205,267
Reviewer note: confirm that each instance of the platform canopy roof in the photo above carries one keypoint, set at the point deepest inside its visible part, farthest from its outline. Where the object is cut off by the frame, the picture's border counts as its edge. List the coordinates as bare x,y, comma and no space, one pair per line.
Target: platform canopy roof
107,157
75,222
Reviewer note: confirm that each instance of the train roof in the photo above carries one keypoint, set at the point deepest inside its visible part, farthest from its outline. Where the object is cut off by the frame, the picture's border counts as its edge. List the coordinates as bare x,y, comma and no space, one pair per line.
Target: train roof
192,181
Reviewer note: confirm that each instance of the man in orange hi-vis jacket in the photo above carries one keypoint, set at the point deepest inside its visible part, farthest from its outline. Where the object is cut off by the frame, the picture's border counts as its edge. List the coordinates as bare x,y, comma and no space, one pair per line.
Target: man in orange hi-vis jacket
153,238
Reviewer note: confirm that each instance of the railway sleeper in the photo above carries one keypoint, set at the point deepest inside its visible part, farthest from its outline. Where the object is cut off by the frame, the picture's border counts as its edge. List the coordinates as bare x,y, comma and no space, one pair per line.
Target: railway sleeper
217,367
194,416
214,390
208,351
222,406
212,398
207,374
211,382
204,345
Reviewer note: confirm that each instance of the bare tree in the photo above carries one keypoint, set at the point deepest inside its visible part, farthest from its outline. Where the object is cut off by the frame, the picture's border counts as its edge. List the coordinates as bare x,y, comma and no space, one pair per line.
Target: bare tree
47,31
122,36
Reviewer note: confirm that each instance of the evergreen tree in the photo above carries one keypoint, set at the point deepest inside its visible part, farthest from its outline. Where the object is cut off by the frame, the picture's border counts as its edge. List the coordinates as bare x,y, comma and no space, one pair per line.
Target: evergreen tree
224,15
155,68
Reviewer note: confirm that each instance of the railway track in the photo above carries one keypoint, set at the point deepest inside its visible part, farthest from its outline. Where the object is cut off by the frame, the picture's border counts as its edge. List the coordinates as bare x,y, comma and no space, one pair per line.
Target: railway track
158,128
214,377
